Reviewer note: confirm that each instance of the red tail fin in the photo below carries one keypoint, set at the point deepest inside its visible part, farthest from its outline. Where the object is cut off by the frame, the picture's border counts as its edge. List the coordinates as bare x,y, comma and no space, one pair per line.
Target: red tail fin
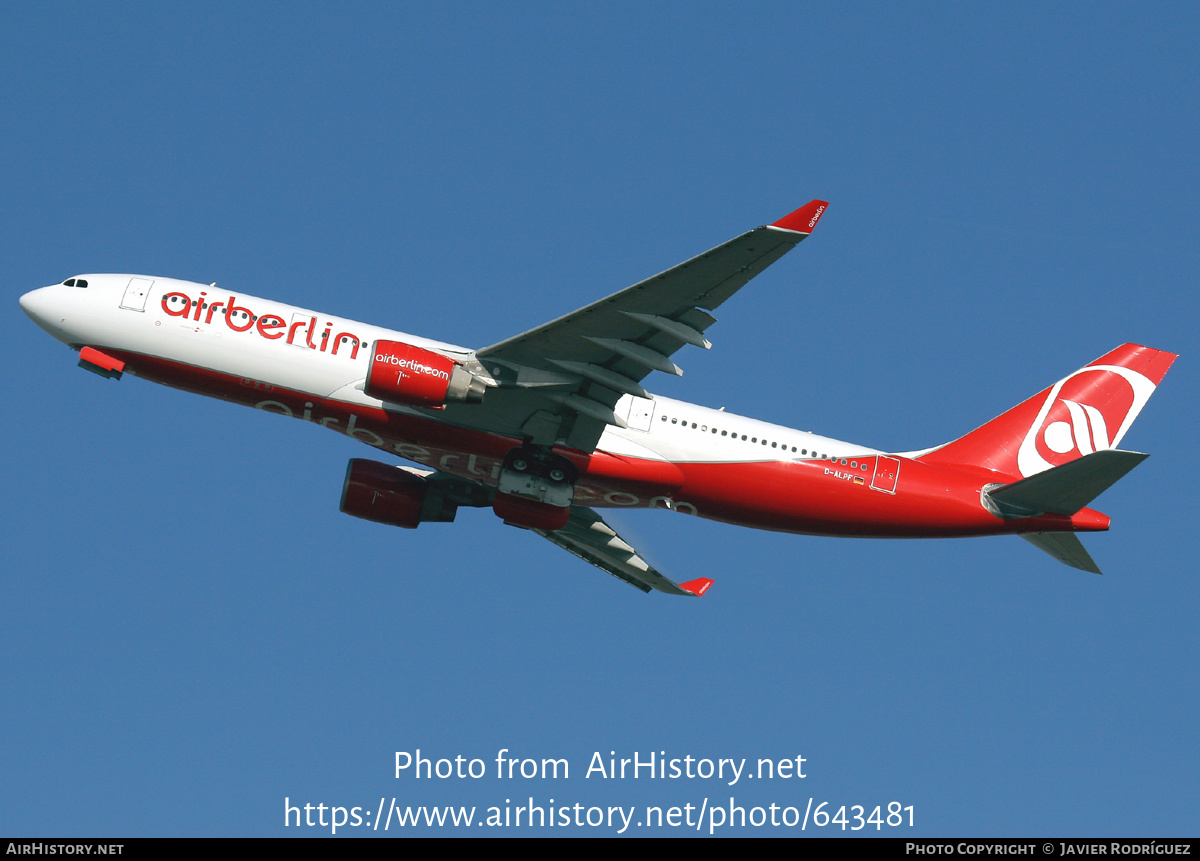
1088,411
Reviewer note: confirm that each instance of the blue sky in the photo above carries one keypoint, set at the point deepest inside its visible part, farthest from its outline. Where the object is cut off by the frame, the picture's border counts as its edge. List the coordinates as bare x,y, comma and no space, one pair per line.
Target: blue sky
190,630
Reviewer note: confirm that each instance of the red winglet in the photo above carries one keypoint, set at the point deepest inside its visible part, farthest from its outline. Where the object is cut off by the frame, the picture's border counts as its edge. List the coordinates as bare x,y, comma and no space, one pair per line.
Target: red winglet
804,219
697,587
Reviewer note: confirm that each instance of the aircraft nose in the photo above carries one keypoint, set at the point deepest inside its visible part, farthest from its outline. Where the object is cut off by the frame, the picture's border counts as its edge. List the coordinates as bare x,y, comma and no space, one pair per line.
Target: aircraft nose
45,307
35,303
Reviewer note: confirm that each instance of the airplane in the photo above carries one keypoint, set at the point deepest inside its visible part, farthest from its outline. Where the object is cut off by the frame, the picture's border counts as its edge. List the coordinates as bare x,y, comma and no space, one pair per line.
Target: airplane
551,427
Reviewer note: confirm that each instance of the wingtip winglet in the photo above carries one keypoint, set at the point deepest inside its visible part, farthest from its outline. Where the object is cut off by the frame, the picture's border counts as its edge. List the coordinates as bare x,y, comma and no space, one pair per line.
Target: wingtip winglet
803,220
697,587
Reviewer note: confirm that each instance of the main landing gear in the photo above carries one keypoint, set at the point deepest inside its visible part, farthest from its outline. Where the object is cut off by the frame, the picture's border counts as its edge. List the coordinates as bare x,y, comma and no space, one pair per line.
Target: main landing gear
536,488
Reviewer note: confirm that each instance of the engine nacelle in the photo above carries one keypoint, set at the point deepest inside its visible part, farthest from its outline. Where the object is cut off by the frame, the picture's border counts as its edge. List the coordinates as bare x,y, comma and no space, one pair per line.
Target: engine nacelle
529,513
404,374
388,494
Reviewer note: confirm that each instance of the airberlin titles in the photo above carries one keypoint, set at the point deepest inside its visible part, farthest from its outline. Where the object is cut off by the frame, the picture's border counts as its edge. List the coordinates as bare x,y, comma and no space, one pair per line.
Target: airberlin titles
269,326
399,373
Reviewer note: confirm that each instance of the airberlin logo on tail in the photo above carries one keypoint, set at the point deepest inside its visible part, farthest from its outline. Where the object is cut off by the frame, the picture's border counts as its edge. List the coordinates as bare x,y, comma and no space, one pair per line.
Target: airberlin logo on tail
1088,411
1087,430
812,222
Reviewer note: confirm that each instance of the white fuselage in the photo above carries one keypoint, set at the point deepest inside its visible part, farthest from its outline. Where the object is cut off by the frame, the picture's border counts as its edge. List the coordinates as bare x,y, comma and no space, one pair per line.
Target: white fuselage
326,358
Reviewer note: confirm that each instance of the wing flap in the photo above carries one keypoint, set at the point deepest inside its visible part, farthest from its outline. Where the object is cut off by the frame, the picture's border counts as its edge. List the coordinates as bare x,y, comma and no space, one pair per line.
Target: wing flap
591,539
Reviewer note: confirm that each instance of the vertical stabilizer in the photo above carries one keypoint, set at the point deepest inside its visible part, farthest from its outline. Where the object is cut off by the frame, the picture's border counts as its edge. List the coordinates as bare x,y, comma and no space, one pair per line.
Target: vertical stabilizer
1088,411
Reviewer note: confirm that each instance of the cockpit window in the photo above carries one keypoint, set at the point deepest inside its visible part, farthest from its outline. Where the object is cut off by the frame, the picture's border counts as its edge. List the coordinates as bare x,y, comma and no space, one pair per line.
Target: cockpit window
75,282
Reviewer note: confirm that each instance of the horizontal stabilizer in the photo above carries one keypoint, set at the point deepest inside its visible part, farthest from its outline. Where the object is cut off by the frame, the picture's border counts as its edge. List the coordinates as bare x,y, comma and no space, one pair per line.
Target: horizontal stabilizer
1065,489
1065,547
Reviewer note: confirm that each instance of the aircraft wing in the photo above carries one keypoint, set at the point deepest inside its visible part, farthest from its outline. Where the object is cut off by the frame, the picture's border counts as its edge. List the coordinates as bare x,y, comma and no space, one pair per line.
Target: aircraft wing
592,540
586,534
560,381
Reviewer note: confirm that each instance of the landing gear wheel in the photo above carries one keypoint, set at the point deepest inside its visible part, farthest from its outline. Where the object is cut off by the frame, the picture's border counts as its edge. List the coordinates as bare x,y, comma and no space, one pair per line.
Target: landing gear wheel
537,473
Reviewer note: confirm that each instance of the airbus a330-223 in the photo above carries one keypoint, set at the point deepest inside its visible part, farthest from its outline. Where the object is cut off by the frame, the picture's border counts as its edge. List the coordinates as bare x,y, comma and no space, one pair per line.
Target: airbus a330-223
552,427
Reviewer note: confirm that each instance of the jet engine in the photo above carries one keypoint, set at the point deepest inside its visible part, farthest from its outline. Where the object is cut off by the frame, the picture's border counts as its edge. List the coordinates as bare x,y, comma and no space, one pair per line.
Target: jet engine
404,374
392,495
529,513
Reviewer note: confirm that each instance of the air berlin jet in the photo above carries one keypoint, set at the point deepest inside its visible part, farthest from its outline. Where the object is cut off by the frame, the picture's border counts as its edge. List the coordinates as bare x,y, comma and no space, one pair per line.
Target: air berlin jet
552,426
